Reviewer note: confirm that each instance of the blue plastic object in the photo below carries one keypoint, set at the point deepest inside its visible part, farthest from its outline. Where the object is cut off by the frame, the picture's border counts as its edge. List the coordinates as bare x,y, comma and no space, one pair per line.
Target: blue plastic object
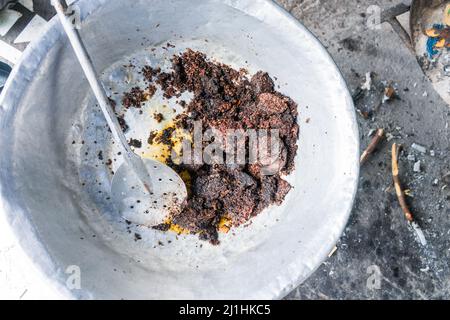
5,70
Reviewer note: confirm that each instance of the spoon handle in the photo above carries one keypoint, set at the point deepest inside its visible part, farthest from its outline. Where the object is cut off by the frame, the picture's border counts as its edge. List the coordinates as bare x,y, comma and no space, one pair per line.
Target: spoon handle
86,63
91,75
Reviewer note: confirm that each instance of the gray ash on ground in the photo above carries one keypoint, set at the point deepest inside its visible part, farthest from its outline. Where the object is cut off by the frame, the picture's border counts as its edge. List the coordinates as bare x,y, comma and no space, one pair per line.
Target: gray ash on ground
225,98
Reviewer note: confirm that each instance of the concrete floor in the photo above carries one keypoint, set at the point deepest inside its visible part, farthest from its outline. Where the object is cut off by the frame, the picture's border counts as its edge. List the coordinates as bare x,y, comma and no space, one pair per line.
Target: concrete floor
379,256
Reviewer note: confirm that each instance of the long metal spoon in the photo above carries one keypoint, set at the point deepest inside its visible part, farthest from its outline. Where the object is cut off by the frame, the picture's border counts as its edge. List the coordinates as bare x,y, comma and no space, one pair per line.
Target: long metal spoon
145,191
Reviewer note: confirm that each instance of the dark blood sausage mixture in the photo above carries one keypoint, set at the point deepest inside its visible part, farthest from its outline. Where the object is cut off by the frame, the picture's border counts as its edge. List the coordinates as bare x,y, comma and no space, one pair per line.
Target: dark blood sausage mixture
134,98
225,98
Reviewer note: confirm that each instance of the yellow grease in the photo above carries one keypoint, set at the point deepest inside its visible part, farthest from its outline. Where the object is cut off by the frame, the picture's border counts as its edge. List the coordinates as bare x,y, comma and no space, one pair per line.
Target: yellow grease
225,224
186,177
176,228
162,152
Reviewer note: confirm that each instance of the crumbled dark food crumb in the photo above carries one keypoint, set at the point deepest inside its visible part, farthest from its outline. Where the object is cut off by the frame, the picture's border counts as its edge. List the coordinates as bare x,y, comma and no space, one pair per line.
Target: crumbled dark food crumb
137,237
151,91
135,143
123,124
166,135
225,98
113,104
262,83
134,98
159,117
150,72
163,79
162,227
100,155
170,92
151,138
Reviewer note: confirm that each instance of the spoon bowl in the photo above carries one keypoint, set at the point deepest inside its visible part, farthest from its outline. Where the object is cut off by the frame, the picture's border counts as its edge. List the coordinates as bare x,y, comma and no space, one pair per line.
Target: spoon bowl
138,205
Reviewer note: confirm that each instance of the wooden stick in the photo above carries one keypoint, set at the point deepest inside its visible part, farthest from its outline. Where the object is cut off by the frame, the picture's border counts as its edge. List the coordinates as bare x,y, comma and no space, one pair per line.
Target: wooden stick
397,184
379,135
401,196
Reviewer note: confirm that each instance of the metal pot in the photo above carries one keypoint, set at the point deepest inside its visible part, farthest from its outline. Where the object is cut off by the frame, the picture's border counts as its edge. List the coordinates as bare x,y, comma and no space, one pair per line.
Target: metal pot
68,230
